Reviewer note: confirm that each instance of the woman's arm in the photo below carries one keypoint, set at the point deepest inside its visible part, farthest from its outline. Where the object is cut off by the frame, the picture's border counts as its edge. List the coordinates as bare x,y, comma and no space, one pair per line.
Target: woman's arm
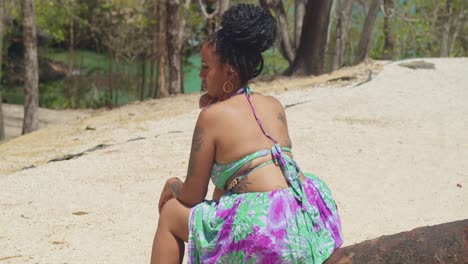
202,155
217,193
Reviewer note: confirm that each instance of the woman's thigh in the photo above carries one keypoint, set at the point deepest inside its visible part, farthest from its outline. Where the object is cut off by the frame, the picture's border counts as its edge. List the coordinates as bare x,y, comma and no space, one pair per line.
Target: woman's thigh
176,216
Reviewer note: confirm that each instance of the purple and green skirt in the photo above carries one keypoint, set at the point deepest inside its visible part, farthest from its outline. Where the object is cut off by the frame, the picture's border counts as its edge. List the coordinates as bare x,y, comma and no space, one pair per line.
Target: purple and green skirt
299,224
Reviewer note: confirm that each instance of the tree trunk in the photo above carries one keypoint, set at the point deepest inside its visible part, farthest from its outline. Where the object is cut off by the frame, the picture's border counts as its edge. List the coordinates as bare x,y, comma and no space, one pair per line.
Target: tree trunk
299,7
151,73
344,9
163,82
110,54
31,78
446,30
143,76
456,30
152,35
2,8
71,60
313,39
389,7
211,14
286,47
110,103
365,40
223,6
329,28
175,35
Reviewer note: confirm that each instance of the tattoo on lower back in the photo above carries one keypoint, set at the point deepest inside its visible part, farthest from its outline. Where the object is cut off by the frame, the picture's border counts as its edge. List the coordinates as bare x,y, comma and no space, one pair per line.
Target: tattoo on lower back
197,142
241,187
243,170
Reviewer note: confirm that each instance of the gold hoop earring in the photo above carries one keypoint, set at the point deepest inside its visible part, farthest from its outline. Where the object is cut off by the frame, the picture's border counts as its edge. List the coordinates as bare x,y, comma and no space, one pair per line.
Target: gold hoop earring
231,87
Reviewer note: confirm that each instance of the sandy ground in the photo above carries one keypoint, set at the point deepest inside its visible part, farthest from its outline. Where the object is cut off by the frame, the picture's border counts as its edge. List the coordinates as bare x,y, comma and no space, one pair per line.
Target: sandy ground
393,151
13,118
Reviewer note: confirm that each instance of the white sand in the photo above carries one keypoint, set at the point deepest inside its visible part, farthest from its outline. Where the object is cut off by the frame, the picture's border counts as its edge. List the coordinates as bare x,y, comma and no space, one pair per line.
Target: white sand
392,151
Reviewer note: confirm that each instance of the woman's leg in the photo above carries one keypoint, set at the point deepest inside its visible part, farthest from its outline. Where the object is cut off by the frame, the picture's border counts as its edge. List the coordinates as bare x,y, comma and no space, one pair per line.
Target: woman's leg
168,244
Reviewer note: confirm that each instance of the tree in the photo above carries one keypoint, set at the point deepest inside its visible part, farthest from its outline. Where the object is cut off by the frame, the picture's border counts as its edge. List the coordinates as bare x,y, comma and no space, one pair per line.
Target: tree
459,21
31,78
366,35
175,36
223,6
286,46
162,55
2,127
211,12
389,8
446,30
299,8
344,9
313,39
152,34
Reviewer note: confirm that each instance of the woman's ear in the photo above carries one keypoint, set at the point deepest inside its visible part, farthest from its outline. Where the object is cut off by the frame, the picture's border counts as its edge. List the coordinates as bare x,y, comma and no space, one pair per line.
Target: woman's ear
231,72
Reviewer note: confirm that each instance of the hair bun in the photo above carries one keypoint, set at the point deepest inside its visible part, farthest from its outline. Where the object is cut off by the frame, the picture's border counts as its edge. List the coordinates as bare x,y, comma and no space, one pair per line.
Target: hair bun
249,25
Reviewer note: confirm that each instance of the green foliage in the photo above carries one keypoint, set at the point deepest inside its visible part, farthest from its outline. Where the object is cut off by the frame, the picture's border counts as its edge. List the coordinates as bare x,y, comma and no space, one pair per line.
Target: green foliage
52,19
417,30
125,28
87,60
275,63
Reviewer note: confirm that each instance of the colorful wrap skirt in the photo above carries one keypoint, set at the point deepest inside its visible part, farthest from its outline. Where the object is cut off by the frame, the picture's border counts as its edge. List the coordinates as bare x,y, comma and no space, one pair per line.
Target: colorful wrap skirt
299,224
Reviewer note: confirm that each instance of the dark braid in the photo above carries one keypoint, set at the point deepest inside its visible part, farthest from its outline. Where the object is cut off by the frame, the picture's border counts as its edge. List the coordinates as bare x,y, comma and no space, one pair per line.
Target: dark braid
247,31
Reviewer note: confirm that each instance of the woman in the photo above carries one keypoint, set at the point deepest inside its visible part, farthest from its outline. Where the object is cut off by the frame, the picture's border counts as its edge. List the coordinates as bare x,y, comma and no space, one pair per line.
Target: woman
264,209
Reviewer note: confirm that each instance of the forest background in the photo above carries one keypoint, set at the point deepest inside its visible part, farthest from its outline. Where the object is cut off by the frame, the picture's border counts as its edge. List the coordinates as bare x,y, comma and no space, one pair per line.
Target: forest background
104,53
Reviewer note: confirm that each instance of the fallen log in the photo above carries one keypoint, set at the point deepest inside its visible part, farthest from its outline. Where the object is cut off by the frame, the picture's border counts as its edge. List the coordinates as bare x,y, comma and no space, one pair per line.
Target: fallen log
444,243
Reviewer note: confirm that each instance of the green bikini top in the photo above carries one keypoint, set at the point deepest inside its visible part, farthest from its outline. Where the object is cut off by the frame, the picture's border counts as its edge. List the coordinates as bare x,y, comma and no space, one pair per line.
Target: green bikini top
220,173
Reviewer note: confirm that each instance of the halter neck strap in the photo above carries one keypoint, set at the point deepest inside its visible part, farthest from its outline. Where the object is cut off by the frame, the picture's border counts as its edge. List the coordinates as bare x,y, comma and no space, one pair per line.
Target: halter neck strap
243,90
276,149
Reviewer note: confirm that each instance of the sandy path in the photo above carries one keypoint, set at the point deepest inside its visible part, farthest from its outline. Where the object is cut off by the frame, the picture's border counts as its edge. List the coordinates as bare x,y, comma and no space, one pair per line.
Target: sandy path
13,115
393,151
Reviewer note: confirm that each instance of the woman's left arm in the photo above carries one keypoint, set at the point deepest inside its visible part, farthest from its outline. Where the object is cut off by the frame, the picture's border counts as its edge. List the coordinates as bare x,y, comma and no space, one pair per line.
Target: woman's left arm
202,155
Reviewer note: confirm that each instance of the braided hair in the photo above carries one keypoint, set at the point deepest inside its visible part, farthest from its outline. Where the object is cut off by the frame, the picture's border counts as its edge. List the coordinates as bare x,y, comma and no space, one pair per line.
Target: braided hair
247,31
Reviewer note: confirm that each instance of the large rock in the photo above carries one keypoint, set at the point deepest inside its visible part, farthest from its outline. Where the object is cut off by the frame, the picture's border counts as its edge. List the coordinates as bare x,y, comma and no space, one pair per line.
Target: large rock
445,243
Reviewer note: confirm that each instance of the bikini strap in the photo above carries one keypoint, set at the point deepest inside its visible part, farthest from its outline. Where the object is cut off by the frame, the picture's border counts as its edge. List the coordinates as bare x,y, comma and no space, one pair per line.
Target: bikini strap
276,149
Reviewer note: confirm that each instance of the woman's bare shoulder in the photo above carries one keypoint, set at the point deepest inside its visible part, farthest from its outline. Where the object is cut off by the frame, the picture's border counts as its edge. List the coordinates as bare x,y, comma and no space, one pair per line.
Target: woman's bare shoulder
272,102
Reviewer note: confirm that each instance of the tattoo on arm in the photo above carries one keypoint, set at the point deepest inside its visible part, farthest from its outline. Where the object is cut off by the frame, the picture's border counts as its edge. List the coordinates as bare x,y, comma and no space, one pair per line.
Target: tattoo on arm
197,142
282,119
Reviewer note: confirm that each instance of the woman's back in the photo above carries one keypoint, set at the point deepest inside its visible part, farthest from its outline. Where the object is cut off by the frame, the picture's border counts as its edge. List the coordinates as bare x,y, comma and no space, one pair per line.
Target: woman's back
238,134
276,214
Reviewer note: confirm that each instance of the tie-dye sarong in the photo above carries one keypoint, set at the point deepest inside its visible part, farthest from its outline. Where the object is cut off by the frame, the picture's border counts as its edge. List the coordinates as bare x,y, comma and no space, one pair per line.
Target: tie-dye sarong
266,227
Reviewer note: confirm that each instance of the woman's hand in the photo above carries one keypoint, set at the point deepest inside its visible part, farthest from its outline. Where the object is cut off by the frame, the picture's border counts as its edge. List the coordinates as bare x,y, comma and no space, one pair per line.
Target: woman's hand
206,100
168,191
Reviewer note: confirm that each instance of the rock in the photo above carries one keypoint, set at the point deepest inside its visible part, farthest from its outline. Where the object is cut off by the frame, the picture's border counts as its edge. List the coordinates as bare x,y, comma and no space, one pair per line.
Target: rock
444,243
420,64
